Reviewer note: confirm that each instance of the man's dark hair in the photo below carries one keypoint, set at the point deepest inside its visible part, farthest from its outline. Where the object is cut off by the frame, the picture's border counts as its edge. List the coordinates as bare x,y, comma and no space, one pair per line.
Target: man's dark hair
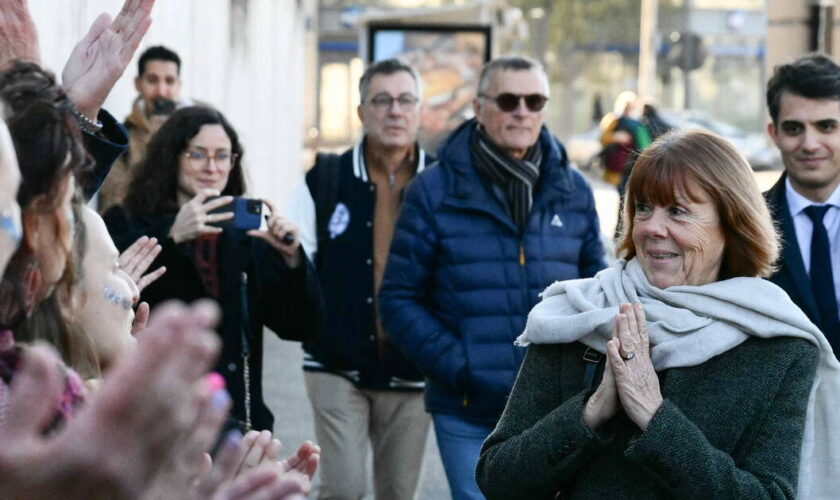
813,76
387,67
154,187
157,53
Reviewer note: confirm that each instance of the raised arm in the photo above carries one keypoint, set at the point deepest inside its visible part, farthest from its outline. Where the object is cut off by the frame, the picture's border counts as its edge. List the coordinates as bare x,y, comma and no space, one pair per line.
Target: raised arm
18,35
100,58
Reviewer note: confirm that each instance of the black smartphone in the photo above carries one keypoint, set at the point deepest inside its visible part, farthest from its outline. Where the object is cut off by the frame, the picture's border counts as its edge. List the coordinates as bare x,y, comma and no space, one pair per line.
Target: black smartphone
247,213
162,106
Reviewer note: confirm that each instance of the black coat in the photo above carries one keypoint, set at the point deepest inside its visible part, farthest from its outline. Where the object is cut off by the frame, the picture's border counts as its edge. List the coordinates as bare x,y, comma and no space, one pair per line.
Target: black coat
286,300
104,149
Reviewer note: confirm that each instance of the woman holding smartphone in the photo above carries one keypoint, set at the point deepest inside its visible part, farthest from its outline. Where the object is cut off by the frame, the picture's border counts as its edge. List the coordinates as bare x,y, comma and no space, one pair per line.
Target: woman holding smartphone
192,168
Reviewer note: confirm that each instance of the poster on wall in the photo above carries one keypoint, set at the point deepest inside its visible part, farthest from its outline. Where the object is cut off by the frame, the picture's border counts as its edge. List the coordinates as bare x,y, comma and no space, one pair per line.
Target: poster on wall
449,59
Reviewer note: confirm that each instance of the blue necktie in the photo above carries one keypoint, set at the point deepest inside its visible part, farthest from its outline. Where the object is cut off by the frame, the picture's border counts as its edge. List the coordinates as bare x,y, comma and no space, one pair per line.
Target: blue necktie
822,278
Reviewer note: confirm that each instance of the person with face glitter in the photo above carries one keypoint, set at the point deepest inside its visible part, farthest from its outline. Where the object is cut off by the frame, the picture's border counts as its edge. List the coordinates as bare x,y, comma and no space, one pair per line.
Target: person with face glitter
193,166
678,372
101,307
51,153
115,446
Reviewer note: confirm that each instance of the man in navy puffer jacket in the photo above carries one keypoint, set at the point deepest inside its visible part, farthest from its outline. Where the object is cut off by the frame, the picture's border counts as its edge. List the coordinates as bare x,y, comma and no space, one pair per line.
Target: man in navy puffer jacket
479,236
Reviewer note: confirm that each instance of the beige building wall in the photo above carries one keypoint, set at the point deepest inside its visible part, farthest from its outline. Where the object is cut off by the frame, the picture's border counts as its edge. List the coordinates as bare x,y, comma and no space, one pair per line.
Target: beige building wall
248,60
788,30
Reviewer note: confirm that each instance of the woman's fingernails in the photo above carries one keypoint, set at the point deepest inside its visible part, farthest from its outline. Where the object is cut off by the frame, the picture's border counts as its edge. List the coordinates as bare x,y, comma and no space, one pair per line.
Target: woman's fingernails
220,400
214,381
233,438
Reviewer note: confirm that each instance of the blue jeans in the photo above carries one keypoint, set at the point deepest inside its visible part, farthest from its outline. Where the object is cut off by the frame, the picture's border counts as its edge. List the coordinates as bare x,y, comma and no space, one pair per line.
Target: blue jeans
459,442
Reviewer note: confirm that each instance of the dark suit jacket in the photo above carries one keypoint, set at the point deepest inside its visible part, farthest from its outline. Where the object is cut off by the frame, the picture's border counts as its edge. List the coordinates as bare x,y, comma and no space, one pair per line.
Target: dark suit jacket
791,275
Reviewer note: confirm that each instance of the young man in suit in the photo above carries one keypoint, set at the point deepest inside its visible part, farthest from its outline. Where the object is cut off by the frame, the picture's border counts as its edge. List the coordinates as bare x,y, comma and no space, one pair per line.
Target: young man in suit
804,102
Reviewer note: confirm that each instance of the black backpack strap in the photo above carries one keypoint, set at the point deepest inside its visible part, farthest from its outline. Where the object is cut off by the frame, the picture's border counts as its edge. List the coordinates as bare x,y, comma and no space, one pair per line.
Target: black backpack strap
592,358
327,167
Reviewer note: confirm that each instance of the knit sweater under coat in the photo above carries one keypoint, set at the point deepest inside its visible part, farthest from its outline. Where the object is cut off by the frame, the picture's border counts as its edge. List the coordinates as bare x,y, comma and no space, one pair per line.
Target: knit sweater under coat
461,277
728,428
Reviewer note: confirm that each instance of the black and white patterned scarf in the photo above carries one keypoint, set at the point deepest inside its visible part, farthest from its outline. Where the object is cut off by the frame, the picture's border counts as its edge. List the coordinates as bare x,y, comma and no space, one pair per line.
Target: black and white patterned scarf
514,177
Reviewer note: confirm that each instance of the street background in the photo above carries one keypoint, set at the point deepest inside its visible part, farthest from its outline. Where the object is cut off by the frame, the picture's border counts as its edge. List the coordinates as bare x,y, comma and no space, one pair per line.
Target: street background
285,73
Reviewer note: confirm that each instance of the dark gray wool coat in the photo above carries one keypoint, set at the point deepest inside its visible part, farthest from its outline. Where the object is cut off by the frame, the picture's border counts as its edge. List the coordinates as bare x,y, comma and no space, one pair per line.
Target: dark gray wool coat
728,428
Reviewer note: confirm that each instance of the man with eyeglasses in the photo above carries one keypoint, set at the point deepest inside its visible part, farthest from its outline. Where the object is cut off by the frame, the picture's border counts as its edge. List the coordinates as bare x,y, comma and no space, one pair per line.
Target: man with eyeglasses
361,388
158,85
480,235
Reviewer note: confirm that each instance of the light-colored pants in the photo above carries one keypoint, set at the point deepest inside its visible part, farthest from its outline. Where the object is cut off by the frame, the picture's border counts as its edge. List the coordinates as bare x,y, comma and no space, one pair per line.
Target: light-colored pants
345,417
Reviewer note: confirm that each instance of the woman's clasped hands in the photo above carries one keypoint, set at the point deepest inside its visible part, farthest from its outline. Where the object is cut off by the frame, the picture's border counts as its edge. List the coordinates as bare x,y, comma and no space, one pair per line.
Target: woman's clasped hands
630,382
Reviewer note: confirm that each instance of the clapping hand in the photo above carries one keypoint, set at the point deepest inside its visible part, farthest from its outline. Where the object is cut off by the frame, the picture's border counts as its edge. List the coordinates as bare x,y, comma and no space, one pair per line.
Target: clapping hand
18,36
100,58
603,404
136,259
629,358
305,460
259,448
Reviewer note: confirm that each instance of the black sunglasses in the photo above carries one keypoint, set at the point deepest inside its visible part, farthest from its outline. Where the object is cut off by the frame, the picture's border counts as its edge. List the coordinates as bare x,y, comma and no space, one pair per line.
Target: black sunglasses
508,102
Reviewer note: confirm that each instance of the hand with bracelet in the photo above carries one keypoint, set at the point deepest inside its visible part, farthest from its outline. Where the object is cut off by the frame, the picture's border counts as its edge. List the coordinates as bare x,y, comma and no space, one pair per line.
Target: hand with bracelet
100,58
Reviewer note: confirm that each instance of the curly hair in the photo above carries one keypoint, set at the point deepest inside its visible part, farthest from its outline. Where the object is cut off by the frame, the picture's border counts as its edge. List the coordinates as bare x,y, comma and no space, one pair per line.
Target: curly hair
154,187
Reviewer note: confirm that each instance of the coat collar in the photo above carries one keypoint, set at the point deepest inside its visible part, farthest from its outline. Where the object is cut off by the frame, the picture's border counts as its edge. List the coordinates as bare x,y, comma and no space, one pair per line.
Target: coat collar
467,190
791,255
360,169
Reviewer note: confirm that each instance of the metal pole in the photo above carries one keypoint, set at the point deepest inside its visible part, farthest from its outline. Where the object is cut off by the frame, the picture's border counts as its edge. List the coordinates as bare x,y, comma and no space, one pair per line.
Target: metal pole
647,47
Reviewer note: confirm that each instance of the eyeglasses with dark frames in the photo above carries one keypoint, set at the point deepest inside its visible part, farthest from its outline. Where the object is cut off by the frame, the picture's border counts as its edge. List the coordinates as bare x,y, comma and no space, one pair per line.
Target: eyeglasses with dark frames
201,159
383,102
508,102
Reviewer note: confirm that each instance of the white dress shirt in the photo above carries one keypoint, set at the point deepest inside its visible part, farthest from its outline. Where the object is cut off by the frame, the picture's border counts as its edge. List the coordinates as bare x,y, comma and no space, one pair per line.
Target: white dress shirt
804,228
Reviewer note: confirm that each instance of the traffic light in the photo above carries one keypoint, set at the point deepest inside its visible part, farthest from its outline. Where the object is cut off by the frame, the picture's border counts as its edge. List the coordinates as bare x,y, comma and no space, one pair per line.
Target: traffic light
686,51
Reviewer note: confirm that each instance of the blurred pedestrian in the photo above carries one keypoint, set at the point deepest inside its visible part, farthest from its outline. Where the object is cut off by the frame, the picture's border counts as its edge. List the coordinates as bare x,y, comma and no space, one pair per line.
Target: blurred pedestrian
622,136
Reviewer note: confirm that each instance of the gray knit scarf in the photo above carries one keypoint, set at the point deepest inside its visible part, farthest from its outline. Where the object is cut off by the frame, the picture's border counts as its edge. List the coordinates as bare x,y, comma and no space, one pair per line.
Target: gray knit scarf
689,325
516,178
